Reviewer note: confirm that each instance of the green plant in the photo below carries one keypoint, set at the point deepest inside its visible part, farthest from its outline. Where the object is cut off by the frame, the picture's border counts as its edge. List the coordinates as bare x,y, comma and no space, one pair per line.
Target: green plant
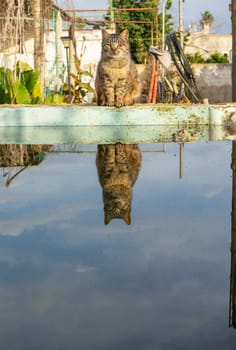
207,17
214,58
80,88
54,99
195,58
141,24
20,85
217,58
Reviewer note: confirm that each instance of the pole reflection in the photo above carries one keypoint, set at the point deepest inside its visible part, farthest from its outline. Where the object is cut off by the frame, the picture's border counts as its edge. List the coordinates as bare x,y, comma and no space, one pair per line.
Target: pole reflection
232,308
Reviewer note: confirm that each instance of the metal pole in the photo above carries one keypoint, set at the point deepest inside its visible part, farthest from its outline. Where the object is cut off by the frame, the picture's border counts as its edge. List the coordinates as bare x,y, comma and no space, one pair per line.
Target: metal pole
181,28
181,34
68,71
112,16
163,24
181,160
157,25
157,63
232,306
233,77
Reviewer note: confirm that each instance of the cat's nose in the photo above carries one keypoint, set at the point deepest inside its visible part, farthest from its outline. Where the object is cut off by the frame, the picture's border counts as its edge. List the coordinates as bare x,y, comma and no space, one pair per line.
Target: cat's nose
114,47
117,211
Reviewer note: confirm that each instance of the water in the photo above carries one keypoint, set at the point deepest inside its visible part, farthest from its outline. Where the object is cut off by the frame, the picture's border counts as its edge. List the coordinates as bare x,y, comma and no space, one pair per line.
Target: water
69,282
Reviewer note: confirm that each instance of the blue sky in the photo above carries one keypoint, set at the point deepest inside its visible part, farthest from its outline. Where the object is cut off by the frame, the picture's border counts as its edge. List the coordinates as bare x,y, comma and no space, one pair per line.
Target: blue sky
192,10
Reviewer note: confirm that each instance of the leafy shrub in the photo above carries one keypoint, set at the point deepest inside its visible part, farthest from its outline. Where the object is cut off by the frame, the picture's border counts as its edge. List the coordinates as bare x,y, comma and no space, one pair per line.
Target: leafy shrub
214,58
20,85
195,58
217,58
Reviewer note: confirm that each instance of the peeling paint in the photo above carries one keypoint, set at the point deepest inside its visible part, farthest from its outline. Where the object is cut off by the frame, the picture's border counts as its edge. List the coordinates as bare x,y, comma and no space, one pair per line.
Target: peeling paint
138,123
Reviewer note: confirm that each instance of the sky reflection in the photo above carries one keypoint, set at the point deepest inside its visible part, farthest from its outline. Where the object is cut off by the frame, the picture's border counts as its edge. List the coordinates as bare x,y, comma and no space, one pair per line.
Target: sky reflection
69,282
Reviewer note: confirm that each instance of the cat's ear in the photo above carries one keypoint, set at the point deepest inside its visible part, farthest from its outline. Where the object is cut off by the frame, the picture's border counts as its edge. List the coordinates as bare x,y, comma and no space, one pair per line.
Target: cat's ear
127,219
107,219
104,33
125,34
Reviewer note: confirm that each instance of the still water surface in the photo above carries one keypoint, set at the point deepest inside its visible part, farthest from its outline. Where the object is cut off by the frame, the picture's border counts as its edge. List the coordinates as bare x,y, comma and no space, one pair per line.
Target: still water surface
67,281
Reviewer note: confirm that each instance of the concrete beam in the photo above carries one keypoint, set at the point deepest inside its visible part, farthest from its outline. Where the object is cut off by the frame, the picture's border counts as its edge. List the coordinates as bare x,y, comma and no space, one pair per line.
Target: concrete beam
90,115
134,124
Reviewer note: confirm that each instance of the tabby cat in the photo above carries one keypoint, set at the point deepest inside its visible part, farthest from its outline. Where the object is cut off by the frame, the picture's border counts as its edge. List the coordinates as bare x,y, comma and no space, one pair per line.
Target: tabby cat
117,82
118,167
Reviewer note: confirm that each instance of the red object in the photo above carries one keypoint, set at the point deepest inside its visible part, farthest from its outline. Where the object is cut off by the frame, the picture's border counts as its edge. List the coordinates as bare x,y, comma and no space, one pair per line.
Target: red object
154,94
150,94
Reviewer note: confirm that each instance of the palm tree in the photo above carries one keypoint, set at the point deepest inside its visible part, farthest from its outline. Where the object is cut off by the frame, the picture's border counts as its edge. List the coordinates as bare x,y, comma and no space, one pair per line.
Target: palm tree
206,20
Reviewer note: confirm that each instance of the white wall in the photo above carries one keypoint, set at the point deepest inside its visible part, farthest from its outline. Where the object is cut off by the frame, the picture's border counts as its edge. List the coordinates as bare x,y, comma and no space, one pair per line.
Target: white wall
207,44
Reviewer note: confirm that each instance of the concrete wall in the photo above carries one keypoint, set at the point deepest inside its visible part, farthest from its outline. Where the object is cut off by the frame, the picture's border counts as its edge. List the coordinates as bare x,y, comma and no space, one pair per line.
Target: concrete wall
207,44
214,81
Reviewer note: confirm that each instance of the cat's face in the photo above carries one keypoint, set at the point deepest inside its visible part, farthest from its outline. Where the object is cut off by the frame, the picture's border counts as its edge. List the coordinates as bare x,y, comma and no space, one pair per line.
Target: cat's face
117,208
115,45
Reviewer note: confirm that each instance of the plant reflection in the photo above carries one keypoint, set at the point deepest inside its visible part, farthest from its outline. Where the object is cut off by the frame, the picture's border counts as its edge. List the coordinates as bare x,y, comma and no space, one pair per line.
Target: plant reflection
14,159
118,167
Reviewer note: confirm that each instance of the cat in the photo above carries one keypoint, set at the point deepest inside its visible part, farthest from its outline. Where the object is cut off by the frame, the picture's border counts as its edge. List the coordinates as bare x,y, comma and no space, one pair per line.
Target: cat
117,82
118,167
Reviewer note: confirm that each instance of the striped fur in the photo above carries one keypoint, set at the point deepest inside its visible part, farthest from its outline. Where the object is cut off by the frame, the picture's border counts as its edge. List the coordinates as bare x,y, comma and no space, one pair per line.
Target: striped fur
117,82
118,168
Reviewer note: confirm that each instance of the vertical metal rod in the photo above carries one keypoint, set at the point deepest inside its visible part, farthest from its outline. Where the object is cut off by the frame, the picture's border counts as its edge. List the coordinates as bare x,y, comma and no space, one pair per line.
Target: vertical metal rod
163,24
232,298
181,29
68,71
112,16
181,160
181,34
157,64
233,75
157,25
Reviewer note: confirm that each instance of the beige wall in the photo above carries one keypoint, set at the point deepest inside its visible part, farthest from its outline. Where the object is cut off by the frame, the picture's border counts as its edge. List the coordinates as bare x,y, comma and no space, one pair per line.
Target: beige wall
214,81
207,44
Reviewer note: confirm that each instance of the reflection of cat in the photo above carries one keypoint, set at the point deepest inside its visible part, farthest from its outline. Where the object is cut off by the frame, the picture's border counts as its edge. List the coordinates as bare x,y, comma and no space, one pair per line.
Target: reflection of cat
117,82
118,167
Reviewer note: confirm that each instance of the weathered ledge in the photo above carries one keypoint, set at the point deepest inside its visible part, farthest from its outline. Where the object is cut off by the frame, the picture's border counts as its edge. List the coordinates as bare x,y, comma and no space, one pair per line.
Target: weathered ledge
92,124
91,115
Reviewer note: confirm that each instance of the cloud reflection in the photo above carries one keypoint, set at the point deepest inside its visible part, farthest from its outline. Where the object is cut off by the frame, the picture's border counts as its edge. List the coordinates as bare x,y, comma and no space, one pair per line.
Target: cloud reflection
68,282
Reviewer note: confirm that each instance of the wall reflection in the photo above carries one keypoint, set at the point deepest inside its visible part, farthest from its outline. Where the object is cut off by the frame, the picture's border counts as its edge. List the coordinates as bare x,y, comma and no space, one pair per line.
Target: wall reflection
118,166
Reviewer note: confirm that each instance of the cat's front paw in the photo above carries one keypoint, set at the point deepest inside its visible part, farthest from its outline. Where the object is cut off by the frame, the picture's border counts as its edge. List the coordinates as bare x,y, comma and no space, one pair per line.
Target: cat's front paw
110,103
119,104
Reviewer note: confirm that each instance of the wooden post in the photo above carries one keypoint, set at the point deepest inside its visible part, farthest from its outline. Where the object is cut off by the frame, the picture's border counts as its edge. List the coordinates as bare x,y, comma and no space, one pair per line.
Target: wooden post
38,35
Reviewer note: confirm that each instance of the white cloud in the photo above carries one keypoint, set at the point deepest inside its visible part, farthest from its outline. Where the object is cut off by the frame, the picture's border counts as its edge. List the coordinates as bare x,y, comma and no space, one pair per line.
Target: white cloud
19,224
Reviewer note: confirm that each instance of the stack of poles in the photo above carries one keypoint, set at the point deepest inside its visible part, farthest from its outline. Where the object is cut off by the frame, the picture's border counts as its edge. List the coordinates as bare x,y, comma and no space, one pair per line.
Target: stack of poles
152,94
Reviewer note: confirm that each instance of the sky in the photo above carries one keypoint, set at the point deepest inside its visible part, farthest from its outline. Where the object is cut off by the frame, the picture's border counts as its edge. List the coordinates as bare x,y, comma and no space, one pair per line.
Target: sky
192,10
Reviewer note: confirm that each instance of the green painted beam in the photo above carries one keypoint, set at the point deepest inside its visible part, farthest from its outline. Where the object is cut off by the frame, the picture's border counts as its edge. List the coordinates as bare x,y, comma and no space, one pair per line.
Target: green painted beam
90,115
44,124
